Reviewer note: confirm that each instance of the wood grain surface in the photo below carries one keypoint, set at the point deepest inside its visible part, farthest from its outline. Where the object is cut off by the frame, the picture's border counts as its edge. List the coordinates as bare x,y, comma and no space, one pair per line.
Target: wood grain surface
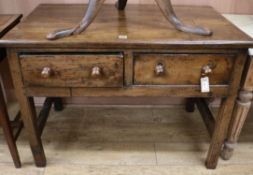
73,70
139,29
7,22
135,22
176,68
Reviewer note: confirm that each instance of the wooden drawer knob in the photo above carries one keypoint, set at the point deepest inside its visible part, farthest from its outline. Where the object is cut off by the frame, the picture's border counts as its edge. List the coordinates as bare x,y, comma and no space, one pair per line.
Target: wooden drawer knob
159,69
46,72
96,71
208,69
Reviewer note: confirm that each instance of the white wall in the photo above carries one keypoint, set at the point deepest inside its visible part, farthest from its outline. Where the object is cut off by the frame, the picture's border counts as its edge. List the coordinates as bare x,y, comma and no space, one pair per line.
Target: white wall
223,6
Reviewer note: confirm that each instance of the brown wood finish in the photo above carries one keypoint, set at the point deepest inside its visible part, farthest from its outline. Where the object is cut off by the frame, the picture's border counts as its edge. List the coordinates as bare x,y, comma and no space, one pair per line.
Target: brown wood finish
241,109
190,104
175,68
48,92
58,104
130,91
76,70
224,115
156,41
95,5
240,113
206,115
248,78
8,132
28,111
7,22
103,34
43,115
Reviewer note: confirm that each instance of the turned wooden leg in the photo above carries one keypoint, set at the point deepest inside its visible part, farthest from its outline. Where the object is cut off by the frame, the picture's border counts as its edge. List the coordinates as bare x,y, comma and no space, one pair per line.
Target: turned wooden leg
240,113
168,11
121,4
8,133
220,130
190,105
58,106
91,12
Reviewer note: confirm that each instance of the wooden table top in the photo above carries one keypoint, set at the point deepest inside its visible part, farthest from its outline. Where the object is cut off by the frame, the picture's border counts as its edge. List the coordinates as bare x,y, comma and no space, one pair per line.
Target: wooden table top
143,24
7,22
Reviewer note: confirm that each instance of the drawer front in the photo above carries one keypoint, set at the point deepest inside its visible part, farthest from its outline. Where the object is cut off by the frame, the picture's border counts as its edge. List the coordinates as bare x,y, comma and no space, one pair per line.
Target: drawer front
72,70
181,69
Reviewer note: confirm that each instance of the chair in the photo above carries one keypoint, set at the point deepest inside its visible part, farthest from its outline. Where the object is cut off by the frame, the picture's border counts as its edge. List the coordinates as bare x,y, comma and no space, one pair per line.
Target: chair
8,126
7,23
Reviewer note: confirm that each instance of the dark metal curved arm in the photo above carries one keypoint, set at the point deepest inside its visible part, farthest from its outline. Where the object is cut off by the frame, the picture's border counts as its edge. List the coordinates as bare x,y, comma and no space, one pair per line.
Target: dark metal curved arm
91,12
168,11
95,5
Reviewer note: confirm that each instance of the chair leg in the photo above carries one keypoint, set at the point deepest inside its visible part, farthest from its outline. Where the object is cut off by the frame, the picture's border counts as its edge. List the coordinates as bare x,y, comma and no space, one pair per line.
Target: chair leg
168,11
190,105
240,113
8,133
91,12
219,134
121,4
58,106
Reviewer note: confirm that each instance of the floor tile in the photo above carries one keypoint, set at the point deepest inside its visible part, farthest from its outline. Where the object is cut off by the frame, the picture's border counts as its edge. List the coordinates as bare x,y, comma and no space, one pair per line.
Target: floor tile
122,125
128,141
125,125
24,152
181,153
118,115
146,133
64,124
175,115
101,153
25,170
149,170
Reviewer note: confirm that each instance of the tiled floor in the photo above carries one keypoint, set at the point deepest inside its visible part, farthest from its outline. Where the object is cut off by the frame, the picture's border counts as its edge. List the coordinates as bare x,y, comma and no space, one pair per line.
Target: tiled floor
126,141
130,141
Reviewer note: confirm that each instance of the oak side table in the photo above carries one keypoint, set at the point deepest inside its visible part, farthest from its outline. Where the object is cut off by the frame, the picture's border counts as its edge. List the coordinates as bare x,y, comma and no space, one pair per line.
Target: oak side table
7,22
241,109
131,53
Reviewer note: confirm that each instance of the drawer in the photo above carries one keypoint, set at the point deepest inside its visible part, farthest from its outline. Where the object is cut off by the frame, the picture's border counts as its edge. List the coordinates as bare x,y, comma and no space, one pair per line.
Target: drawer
181,69
64,70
